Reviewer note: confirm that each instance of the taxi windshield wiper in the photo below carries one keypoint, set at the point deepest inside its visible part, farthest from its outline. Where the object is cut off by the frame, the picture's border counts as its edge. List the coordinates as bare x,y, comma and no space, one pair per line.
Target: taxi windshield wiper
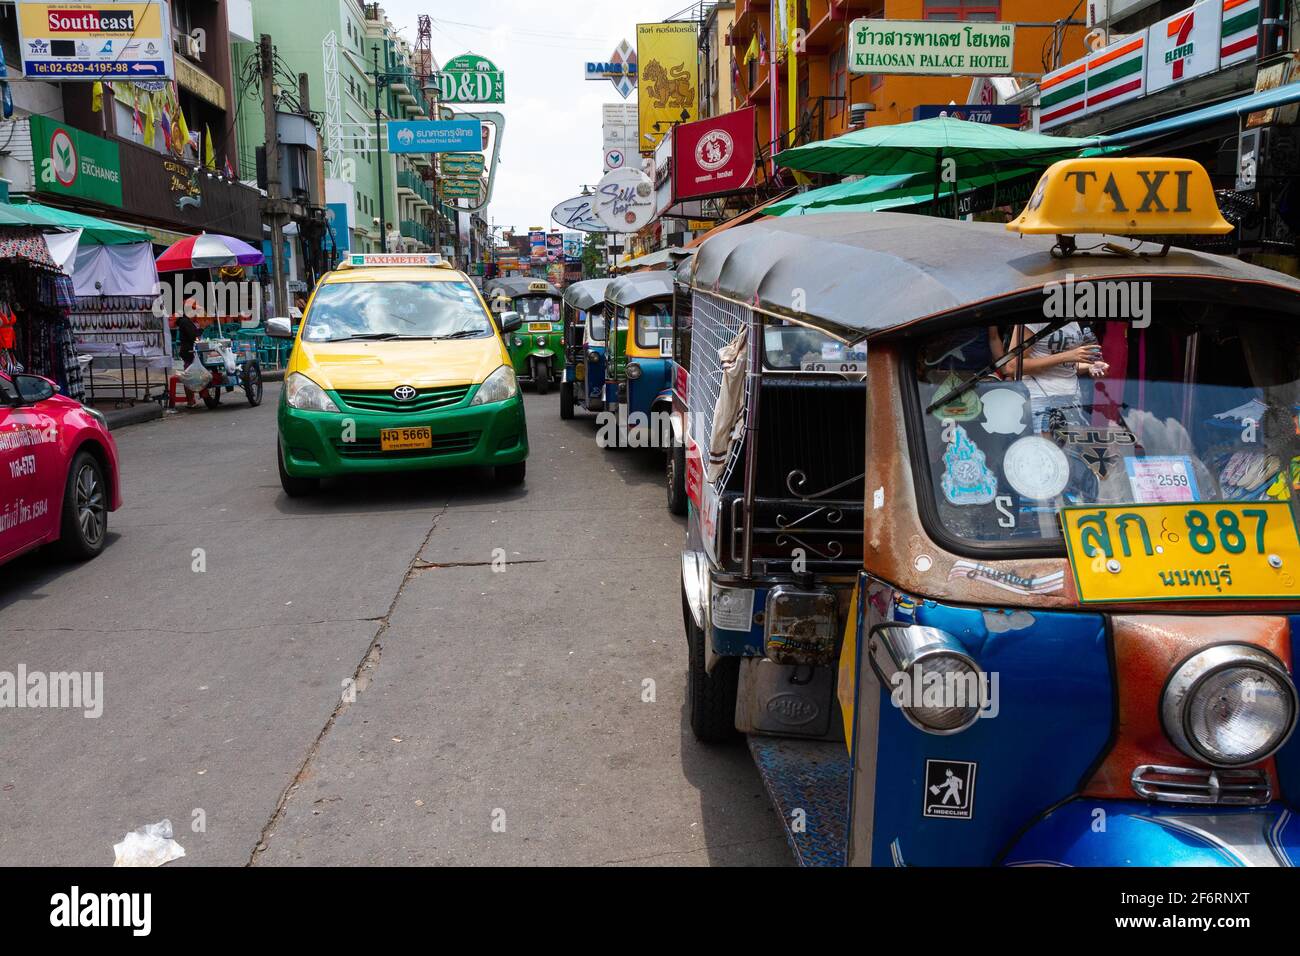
371,336
958,391
462,334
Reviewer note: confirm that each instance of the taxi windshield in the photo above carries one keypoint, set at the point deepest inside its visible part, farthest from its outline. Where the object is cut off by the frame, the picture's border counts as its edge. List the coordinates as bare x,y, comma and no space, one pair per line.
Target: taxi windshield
342,311
1199,406
538,308
654,323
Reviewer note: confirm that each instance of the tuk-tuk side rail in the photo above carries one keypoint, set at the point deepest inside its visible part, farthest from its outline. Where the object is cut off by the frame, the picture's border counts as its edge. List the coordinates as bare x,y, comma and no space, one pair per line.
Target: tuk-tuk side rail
827,533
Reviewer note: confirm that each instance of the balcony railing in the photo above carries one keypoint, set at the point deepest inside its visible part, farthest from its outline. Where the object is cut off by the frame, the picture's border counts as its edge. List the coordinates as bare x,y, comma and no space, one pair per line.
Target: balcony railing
414,230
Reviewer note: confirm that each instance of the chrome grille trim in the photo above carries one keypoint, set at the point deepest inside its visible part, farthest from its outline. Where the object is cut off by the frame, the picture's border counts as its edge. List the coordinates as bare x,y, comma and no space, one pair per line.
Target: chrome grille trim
1228,788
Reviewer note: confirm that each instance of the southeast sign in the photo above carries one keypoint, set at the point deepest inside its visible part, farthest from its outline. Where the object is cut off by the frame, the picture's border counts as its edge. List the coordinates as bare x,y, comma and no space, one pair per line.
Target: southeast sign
107,39
932,47
434,136
472,79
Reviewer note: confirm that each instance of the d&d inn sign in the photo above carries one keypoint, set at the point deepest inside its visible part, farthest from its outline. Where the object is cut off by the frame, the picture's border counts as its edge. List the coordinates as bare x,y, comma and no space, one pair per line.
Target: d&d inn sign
932,48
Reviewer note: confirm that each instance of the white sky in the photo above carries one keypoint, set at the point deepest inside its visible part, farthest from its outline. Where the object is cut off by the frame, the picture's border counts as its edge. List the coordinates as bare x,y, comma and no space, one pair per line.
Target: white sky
552,143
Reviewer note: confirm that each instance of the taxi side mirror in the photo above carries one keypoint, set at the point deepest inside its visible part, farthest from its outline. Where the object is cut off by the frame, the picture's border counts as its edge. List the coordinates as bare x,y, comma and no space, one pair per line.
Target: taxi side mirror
33,389
279,328
511,321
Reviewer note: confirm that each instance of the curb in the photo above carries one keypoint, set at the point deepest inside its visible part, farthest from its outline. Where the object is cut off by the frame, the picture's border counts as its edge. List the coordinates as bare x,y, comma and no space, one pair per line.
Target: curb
272,375
137,415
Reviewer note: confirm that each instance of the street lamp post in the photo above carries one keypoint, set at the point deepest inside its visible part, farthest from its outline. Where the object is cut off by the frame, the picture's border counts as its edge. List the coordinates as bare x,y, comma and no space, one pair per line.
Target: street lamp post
381,80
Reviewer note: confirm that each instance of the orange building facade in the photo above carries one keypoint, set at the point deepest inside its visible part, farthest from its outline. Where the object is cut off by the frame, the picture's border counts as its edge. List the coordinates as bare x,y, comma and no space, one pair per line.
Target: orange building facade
827,90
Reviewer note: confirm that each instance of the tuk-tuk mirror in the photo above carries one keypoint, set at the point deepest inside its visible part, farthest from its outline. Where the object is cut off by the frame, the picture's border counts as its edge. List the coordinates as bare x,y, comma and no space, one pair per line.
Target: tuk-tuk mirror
279,328
511,321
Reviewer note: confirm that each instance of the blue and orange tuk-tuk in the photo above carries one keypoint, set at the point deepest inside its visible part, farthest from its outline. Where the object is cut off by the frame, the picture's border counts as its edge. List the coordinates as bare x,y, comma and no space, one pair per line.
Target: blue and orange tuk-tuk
583,313
638,366
992,551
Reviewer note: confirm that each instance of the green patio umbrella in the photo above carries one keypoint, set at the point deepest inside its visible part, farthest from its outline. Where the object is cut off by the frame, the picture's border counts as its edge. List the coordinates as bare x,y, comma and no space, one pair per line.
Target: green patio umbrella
881,193
922,148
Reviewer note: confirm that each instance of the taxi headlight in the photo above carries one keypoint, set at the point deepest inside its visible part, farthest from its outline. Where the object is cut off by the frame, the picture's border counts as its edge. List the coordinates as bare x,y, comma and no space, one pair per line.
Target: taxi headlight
302,393
500,386
929,676
1229,705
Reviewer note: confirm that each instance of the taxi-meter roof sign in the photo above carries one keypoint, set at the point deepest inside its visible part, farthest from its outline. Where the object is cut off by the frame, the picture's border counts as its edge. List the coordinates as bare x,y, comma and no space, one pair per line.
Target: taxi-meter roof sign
1125,197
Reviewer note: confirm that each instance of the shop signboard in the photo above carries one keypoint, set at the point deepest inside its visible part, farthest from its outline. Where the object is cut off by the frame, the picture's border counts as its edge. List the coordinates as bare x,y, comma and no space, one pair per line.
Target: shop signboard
619,70
537,244
554,247
625,200
667,79
714,157
578,213
1005,115
1239,33
339,230
70,162
434,136
470,78
1184,46
460,188
573,243
462,165
104,40
932,47
1109,76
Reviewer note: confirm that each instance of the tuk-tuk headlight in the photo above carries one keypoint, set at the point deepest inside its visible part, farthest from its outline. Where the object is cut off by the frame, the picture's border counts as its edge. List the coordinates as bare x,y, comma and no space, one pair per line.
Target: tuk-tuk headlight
541,340
304,394
593,356
1229,705
500,386
633,371
929,676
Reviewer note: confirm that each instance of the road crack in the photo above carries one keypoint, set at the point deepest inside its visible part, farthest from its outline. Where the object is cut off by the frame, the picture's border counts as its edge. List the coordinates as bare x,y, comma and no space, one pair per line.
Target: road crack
361,678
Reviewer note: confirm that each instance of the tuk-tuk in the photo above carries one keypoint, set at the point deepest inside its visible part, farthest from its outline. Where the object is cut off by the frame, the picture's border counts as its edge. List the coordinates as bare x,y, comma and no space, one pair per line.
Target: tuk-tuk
992,550
536,349
583,313
675,459
638,367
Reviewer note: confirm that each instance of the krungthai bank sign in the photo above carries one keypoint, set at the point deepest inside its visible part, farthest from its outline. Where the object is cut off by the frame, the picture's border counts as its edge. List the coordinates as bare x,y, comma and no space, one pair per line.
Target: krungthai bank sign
932,48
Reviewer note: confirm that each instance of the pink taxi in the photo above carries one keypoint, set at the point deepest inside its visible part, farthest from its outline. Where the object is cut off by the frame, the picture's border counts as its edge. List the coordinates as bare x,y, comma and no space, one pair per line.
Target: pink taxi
58,471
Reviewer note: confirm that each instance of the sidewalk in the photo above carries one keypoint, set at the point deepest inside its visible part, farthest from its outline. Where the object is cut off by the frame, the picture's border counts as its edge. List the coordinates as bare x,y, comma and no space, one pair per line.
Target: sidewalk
143,412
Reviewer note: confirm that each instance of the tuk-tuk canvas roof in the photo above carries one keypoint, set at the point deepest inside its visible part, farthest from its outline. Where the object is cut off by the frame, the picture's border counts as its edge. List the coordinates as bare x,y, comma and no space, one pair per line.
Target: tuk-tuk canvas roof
630,290
586,294
875,272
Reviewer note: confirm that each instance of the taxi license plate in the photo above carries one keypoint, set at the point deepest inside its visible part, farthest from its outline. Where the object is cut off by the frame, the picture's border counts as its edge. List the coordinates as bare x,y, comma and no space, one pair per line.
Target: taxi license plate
1206,551
405,439
539,326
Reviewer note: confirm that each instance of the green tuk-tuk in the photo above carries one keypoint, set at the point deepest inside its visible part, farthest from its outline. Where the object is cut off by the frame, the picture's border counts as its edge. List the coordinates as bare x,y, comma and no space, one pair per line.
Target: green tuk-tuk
537,348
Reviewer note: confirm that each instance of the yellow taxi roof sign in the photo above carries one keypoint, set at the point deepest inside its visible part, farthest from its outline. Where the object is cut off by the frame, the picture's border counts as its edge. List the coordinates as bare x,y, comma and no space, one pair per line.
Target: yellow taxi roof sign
538,286
368,260
1123,197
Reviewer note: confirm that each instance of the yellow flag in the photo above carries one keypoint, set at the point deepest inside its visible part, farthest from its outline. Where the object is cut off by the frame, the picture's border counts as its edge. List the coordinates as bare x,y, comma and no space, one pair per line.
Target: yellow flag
753,51
96,96
182,132
149,120
209,157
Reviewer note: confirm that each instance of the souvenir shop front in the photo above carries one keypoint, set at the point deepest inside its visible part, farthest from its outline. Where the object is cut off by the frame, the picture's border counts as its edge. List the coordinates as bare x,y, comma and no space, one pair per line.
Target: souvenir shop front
36,300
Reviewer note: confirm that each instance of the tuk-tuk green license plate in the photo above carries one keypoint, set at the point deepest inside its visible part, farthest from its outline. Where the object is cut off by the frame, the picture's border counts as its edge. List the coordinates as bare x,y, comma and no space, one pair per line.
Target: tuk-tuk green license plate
539,326
1207,551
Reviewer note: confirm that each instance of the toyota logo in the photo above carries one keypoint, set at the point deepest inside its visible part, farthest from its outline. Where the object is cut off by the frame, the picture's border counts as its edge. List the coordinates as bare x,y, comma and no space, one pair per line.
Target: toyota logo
404,393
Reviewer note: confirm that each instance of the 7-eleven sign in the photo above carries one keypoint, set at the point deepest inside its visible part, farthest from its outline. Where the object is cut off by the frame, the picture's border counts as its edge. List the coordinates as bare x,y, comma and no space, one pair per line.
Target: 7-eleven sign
1185,45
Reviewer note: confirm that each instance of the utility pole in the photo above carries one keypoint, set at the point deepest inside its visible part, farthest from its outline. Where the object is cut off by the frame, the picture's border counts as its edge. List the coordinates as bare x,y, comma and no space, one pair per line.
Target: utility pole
380,80
274,208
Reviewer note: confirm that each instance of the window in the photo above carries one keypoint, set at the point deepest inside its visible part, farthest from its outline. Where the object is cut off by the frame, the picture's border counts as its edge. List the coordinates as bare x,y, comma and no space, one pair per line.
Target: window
1200,407
427,310
654,324
963,9
839,82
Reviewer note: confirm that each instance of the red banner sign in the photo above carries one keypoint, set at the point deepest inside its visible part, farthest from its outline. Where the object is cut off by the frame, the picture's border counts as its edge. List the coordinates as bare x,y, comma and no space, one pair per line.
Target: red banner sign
715,156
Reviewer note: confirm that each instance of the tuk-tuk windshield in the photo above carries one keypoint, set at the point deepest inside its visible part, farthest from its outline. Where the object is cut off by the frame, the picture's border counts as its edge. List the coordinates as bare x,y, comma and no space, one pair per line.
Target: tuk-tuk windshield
654,323
348,310
538,308
1201,405
794,347
596,324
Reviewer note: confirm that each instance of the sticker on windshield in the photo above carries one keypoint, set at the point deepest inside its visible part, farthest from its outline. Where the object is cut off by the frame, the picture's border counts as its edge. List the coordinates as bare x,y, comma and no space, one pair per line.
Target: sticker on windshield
1162,479
967,479
319,333
1036,468
961,408
1004,412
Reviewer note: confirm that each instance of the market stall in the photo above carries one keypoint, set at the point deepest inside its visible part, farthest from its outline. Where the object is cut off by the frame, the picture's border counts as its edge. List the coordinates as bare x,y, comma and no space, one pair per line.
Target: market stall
36,299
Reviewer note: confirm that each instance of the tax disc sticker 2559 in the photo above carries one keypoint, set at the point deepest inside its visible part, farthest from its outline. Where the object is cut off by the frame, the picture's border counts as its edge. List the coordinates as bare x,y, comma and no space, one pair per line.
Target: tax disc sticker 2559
1036,469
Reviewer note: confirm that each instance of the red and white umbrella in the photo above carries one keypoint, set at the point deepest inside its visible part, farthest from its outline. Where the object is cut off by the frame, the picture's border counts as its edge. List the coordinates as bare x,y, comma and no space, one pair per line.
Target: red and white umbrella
209,251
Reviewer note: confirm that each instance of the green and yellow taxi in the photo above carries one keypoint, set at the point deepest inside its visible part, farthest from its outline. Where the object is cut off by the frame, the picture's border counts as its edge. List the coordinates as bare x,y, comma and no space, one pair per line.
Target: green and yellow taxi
398,366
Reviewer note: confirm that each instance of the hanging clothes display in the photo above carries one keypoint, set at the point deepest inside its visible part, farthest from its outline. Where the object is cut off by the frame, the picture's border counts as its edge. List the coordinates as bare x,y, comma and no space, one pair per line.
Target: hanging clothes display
35,301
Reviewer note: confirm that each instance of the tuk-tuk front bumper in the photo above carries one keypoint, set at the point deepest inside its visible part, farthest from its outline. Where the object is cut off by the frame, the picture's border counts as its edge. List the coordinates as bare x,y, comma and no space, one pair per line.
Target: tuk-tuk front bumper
1088,832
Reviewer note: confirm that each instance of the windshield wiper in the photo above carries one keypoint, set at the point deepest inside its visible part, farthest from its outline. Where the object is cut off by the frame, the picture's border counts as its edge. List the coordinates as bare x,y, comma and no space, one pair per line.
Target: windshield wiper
462,334
966,386
369,336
